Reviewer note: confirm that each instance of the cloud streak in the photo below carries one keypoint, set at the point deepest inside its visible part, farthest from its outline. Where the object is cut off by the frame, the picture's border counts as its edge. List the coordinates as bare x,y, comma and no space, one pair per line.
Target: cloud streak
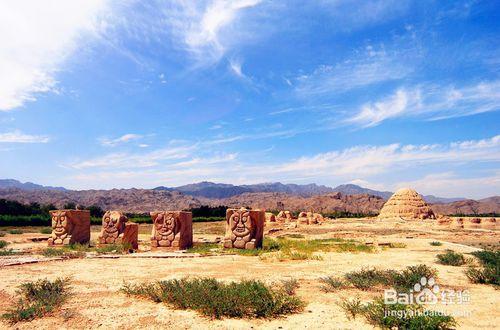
19,137
431,103
36,37
120,140
175,167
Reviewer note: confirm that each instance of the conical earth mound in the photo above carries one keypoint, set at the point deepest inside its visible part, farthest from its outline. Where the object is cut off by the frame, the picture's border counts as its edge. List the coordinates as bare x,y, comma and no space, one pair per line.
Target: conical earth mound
407,204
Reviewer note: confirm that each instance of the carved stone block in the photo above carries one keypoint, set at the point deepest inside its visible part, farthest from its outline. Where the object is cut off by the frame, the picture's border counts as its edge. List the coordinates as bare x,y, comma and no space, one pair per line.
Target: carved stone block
117,230
244,228
172,230
69,227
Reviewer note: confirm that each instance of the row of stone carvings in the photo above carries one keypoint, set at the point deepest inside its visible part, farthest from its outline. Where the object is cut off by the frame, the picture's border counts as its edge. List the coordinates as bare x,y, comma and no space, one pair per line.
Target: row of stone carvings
171,229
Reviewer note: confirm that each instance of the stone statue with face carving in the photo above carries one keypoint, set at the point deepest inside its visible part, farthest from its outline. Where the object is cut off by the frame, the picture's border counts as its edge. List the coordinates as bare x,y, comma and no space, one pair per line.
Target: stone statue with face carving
172,230
69,226
113,226
244,228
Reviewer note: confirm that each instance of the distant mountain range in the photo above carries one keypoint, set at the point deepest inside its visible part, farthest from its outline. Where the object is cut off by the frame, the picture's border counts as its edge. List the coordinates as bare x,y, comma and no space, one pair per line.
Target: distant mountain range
11,183
271,196
222,190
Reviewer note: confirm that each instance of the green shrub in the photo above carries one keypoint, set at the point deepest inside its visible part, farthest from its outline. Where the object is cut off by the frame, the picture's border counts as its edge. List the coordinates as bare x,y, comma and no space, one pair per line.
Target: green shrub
217,299
489,271
46,230
3,244
37,299
208,219
331,283
24,220
399,316
15,231
451,258
404,280
435,243
488,258
351,307
9,252
367,278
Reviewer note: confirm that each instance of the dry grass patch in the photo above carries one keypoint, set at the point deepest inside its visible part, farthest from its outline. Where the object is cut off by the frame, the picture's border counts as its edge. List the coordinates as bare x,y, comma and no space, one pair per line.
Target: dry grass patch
216,299
37,299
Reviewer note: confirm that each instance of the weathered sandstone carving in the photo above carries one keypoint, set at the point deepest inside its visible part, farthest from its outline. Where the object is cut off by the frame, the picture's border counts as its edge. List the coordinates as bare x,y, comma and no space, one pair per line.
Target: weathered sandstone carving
172,230
406,204
284,216
309,218
244,228
70,226
117,230
270,217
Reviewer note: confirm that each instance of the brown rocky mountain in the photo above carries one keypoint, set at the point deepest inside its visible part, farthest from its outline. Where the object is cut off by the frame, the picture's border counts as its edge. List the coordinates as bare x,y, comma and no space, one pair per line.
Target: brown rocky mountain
469,206
361,203
145,200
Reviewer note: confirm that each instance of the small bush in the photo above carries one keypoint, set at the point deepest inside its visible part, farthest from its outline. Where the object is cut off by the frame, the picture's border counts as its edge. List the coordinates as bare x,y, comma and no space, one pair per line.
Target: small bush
398,316
451,258
217,299
352,307
37,299
367,278
331,283
489,271
435,243
9,252
3,244
289,286
405,280
15,231
46,230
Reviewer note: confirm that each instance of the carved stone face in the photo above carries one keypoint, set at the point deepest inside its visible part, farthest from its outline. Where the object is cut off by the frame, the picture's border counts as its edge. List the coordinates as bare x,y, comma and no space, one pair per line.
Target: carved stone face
61,225
241,224
165,224
112,223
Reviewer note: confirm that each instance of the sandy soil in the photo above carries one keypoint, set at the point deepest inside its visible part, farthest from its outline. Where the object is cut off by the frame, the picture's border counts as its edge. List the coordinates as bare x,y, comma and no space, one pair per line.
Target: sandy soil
97,303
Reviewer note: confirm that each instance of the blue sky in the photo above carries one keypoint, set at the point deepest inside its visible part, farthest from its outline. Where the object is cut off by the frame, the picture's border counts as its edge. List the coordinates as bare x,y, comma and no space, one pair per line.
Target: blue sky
385,94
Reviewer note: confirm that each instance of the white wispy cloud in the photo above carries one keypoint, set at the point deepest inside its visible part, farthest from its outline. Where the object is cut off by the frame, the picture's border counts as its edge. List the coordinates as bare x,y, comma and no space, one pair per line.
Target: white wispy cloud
135,160
369,67
235,67
120,140
19,137
359,163
203,26
35,38
431,103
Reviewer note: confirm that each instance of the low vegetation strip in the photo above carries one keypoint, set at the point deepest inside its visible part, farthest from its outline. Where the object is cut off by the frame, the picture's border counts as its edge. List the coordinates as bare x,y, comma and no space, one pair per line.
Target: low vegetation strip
488,272
369,278
451,258
37,299
213,298
397,316
284,248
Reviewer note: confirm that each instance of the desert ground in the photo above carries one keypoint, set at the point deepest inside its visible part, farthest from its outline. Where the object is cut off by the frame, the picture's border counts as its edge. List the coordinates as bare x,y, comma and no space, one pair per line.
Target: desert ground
96,301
